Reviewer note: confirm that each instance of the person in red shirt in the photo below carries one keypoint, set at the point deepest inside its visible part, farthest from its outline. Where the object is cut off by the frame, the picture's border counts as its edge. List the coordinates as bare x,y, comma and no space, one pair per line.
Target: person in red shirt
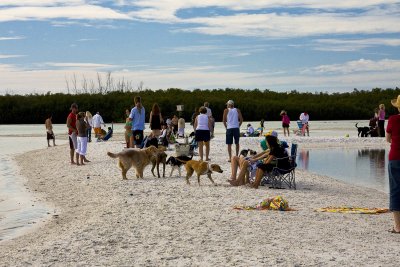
72,131
393,137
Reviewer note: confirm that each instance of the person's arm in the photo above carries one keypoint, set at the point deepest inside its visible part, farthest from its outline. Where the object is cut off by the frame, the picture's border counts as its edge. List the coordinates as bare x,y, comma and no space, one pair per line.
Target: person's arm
389,131
389,137
260,156
161,118
268,159
195,123
209,123
224,117
151,115
240,117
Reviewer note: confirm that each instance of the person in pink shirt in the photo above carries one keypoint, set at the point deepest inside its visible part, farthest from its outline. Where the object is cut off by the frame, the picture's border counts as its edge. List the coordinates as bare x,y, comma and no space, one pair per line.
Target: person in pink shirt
285,122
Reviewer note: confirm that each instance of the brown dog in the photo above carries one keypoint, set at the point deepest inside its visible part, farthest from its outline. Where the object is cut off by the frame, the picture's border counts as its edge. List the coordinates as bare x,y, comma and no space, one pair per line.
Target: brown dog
159,157
201,168
138,158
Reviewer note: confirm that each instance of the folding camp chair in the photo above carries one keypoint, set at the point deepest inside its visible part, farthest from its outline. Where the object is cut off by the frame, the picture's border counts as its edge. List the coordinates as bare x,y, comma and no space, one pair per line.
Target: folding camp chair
279,177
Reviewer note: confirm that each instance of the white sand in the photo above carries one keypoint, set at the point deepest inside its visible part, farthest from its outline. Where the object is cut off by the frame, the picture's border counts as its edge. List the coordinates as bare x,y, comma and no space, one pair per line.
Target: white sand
103,220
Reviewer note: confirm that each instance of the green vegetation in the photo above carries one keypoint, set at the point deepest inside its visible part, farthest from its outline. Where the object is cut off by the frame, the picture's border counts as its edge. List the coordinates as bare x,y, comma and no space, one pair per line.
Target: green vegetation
254,104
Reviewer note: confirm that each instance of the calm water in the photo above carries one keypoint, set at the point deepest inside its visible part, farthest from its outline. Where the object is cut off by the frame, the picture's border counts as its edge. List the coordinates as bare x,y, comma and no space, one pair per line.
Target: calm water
366,167
19,210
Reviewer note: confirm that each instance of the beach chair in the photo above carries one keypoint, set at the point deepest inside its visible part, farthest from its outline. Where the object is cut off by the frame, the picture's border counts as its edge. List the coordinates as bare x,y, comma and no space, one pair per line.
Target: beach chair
277,178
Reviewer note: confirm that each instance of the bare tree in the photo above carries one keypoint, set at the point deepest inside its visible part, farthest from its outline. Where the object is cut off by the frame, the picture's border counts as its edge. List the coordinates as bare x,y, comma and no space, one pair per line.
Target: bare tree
140,86
84,84
100,84
74,84
67,82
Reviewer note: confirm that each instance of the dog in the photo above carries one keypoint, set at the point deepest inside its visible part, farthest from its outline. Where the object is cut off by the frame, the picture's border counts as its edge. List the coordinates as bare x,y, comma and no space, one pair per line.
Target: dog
246,152
136,158
159,157
201,168
363,131
177,164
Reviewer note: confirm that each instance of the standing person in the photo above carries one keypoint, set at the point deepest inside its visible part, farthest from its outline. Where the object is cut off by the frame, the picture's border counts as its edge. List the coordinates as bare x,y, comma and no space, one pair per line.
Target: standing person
209,114
202,124
181,127
82,139
285,122
262,126
381,120
89,122
232,119
97,122
304,117
137,117
72,131
393,137
155,120
128,130
49,130
194,115
174,123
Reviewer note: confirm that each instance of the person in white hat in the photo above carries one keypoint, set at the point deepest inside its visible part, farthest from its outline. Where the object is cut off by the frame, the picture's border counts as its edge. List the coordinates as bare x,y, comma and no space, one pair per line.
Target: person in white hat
232,119
393,137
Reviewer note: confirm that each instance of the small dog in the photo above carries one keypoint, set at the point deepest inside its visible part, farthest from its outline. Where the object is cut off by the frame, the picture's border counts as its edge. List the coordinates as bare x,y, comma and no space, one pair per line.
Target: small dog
363,131
246,152
201,168
176,164
137,158
159,157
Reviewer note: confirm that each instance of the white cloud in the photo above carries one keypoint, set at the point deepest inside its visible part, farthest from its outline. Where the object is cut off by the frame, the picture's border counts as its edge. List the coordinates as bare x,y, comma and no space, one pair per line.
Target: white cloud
361,74
361,65
79,65
83,12
354,44
11,38
10,56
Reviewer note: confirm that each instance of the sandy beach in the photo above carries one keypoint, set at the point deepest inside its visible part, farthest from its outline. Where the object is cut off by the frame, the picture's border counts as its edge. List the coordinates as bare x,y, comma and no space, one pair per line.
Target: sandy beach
97,219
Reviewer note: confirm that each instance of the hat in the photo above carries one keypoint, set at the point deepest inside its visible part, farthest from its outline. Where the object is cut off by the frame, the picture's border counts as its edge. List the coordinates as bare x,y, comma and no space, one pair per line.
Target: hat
396,102
283,112
248,125
74,105
272,133
230,102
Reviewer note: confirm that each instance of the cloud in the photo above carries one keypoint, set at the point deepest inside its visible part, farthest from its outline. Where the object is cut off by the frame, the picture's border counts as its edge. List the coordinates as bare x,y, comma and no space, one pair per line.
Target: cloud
11,38
357,66
361,74
82,12
10,56
353,44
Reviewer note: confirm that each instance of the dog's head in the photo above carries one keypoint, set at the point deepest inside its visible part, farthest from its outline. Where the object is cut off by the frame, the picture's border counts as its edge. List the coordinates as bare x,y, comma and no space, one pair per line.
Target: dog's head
245,152
151,150
216,168
171,160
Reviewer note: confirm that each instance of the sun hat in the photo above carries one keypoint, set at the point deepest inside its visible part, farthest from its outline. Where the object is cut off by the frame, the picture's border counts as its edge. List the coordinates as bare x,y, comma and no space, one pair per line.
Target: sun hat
282,112
271,133
396,102
230,102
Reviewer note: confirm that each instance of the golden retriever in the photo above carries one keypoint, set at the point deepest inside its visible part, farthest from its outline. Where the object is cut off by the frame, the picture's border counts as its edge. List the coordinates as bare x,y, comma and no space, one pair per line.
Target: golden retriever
136,158
201,168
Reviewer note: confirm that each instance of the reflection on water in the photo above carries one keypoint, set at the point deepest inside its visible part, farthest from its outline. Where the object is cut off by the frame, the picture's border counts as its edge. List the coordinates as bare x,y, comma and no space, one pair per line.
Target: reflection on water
367,167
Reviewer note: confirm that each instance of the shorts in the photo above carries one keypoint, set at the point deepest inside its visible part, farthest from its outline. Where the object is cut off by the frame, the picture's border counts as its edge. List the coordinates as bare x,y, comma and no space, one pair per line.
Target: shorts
81,146
202,135
394,185
231,134
137,137
73,141
285,125
50,136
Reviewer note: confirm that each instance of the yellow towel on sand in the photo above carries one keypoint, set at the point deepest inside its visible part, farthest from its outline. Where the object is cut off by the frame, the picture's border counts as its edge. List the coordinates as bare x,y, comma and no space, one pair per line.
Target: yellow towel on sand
354,210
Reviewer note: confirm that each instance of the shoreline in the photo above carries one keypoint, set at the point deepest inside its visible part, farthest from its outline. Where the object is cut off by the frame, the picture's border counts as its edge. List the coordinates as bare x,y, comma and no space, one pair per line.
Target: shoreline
106,221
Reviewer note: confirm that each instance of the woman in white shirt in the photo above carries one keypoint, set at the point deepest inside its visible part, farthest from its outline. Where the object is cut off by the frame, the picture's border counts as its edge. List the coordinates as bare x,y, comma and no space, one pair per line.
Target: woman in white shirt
202,124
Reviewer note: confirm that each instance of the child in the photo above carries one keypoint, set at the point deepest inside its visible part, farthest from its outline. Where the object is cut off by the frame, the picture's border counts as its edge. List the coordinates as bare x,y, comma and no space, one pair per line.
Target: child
285,122
81,126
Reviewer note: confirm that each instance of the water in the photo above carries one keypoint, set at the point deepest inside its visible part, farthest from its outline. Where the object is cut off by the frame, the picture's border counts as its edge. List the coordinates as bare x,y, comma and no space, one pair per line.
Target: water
365,167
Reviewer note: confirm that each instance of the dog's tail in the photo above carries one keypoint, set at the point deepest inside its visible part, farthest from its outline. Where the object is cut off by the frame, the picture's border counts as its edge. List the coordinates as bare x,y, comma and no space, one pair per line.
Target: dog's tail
112,155
183,161
357,126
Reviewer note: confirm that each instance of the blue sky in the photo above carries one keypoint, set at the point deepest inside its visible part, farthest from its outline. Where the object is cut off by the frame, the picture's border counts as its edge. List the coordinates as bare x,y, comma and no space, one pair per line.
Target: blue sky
314,45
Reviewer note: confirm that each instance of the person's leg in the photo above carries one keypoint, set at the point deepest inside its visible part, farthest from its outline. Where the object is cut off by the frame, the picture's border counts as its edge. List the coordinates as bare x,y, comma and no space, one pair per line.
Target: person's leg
71,150
234,167
288,133
230,152
54,140
200,150
241,180
308,130
229,142
396,217
259,176
236,136
394,192
207,150
48,142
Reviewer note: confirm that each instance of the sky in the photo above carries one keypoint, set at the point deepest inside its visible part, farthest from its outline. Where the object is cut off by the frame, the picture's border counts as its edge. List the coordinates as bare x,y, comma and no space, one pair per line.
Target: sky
308,46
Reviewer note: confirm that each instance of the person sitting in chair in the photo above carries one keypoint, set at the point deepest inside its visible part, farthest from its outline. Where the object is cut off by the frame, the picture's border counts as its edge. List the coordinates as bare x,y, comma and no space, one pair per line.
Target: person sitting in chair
105,136
277,151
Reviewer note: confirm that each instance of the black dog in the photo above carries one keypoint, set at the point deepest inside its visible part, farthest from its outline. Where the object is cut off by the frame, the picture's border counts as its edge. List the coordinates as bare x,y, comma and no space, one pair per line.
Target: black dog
363,131
245,152
175,163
